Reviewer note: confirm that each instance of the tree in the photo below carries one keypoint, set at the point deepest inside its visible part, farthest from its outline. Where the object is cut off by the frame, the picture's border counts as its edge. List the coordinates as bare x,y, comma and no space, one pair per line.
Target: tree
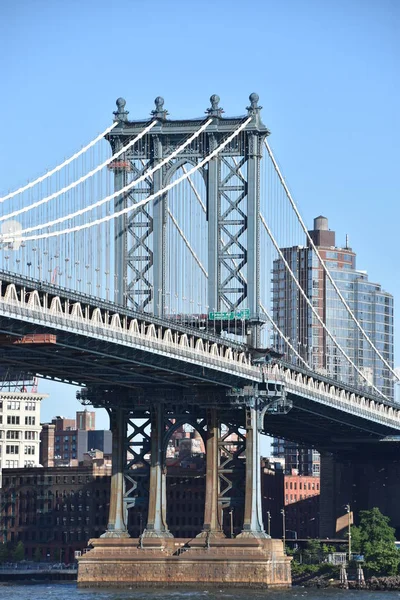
38,555
374,538
312,552
18,552
3,553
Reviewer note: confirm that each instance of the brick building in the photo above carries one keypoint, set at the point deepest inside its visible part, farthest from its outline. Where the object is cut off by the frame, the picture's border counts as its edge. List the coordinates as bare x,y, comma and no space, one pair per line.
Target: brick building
301,503
55,509
297,495
64,441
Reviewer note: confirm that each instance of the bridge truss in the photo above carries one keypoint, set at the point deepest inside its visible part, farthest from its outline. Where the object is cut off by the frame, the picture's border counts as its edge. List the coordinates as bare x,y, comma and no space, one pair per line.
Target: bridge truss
151,268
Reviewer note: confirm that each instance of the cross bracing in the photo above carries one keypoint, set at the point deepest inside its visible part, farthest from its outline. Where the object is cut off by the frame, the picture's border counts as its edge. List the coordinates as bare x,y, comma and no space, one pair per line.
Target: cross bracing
148,241
98,344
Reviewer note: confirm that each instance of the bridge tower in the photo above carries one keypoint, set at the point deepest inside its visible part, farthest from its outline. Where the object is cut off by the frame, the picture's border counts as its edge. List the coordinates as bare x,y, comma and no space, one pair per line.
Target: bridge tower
232,200
221,415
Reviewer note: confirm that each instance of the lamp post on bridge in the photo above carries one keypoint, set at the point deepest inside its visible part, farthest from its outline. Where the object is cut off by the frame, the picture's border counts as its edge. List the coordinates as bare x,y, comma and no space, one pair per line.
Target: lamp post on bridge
283,529
231,521
269,523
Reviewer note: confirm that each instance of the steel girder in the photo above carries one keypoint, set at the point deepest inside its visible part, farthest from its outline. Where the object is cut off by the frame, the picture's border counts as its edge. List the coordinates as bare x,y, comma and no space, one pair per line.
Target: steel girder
232,201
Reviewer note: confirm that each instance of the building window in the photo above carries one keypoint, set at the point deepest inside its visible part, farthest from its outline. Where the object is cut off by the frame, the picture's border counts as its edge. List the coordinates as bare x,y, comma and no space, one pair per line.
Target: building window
29,450
13,405
12,449
12,420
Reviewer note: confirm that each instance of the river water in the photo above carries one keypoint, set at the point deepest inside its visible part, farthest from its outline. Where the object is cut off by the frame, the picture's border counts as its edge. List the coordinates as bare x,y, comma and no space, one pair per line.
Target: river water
71,592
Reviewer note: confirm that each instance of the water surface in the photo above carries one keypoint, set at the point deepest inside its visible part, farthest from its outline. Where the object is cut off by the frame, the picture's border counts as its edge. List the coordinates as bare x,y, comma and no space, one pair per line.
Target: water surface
69,591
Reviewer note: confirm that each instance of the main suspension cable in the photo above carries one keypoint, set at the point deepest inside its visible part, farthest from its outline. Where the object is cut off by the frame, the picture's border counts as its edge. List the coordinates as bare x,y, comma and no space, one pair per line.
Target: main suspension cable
285,339
339,347
322,262
8,237
141,202
72,185
59,167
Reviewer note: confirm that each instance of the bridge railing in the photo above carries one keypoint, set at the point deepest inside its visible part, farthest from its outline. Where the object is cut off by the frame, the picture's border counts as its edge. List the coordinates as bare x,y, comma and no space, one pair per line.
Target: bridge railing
336,397
229,361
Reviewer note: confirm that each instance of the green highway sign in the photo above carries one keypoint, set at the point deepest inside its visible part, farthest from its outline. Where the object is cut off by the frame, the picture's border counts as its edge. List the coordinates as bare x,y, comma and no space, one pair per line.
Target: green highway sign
230,316
242,314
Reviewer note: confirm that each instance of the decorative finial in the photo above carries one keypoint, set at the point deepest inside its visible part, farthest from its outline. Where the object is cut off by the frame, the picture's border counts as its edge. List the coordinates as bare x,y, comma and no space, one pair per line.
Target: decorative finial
215,110
121,114
253,109
159,112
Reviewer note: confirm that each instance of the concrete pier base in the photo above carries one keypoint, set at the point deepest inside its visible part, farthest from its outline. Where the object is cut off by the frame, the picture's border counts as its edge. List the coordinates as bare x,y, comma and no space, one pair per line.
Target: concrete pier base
181,562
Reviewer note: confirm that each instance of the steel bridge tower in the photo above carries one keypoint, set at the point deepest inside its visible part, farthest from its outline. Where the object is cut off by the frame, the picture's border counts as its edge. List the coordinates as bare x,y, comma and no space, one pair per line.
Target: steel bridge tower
232,184
229,420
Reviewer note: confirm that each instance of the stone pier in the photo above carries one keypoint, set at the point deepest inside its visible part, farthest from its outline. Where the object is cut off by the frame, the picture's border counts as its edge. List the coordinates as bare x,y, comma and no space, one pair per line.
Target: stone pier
247,562
158,559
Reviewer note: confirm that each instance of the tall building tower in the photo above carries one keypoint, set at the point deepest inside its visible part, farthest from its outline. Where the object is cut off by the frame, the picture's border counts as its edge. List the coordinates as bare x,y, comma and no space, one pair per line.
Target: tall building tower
372,307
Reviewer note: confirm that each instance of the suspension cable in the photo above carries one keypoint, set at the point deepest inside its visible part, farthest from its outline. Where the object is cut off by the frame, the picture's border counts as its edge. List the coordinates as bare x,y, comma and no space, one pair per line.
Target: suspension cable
314,311
141,202
322,262
280,332
72,185
186,241
59,167
6,237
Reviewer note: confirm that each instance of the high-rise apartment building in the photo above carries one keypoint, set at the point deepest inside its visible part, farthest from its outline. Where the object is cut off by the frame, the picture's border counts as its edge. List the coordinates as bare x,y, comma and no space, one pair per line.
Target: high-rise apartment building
372,307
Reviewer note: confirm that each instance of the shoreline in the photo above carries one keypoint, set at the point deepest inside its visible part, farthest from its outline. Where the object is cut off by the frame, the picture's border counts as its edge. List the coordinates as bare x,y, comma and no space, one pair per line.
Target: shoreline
387,583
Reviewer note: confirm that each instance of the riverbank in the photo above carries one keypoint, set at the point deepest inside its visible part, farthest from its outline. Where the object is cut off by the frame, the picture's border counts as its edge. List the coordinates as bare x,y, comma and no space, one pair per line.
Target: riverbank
37,575
325,580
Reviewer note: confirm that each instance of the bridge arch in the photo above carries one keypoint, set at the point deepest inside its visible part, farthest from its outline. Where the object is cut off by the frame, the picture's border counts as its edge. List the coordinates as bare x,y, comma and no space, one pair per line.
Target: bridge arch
11,294
184,452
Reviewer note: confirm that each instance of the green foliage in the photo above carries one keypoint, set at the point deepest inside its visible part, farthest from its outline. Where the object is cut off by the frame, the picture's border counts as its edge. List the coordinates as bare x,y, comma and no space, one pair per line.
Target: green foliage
38,555
323,569
383,559
312,552
3,553
327,549
356,544
18,552
303,569
374,538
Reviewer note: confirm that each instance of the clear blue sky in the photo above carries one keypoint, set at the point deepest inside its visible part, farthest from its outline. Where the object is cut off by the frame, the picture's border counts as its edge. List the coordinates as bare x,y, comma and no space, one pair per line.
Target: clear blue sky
327,72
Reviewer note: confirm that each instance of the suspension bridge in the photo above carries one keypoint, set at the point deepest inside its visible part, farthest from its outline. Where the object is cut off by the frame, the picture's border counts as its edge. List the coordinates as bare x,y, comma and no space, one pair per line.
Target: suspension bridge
141,268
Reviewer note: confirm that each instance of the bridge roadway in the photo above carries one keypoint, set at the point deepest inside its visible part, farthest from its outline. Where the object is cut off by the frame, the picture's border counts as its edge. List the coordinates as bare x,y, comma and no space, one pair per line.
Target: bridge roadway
108,348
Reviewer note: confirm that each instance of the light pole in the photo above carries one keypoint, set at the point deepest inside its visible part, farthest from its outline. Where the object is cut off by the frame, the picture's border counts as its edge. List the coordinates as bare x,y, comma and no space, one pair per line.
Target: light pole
269,523
348,509
140,524
283,528
231,521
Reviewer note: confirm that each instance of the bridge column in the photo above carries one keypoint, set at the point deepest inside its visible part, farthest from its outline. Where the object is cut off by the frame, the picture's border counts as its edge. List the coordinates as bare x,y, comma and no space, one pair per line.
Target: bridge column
253,526
156,519
213,227
159,225
116,527
253,234
212,525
